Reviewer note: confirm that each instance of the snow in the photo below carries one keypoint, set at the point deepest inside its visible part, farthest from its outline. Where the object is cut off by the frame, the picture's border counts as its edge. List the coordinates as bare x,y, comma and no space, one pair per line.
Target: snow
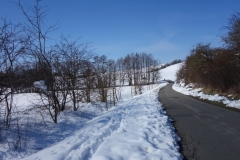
196,92
169,73
144,133
136,128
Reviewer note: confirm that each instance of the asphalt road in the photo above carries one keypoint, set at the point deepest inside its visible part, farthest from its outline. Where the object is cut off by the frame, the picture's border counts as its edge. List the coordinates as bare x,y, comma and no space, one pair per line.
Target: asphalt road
206,131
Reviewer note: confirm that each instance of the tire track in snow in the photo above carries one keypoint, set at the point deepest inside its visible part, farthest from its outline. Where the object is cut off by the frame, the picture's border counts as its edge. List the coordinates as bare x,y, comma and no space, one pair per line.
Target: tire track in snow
88,148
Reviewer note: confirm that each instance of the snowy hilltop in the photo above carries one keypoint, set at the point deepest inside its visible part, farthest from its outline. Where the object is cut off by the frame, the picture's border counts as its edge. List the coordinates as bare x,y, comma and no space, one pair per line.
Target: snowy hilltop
169,73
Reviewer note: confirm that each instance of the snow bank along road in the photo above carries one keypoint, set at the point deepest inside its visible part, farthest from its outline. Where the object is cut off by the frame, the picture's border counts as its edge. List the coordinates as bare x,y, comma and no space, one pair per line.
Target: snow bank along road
136,129
207,131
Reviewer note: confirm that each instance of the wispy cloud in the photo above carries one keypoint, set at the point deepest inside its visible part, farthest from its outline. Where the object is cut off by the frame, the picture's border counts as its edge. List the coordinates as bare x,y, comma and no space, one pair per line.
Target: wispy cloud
164,44
158,47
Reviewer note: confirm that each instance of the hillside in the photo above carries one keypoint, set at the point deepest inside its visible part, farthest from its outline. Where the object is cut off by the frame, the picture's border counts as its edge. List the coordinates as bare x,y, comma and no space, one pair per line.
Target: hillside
169,73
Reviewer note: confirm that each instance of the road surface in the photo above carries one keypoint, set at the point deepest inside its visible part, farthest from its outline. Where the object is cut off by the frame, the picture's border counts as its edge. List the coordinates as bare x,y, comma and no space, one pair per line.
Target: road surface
206,131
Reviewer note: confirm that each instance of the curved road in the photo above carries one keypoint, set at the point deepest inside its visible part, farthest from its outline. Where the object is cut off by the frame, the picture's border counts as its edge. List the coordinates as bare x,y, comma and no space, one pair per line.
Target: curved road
206,131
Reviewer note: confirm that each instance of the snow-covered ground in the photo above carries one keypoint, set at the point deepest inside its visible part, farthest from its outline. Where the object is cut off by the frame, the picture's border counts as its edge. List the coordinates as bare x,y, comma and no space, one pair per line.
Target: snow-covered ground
136,128
196,92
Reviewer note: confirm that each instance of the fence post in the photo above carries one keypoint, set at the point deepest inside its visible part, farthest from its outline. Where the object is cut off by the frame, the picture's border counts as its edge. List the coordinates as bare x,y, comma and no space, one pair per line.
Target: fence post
113,97
105,92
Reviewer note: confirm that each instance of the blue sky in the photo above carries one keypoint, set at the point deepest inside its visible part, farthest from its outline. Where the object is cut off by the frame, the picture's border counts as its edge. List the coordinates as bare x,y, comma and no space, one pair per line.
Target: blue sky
168,29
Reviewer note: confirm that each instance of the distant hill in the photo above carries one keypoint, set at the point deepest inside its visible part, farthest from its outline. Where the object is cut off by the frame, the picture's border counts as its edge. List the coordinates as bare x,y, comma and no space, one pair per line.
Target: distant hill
169,73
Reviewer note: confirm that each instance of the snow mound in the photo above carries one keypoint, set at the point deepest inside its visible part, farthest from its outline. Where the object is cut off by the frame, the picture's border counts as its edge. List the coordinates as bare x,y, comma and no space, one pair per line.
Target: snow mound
196,92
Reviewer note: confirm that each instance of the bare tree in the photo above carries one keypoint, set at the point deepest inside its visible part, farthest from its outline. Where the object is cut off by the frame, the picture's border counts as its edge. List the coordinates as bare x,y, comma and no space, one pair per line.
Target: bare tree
12,47
88,79
100,67
120,71
232,38
155,75
38,31
62,82
128,68
74,62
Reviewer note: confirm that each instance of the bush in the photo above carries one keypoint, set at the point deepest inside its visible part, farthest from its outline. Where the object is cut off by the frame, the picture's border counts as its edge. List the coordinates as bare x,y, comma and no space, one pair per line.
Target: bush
216,68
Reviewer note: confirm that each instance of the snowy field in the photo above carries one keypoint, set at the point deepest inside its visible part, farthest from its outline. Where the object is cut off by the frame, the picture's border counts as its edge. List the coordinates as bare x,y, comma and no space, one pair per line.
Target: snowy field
136,128
196,92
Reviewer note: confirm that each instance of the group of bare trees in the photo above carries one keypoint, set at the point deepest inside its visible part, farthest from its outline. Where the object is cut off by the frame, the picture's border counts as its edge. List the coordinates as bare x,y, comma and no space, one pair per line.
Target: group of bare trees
62,73
138,69
135,69
216,68
27,57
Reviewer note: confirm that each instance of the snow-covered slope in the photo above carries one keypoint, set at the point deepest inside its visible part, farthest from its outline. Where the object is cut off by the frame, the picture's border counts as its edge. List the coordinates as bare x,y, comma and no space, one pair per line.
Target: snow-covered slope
169,73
